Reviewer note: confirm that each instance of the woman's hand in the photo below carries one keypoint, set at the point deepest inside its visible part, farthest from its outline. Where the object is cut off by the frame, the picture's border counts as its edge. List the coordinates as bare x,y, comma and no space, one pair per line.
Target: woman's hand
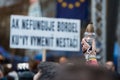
85,45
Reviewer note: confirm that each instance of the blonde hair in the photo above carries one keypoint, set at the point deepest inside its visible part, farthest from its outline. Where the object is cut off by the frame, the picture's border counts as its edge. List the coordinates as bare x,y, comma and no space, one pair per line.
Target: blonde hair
90,28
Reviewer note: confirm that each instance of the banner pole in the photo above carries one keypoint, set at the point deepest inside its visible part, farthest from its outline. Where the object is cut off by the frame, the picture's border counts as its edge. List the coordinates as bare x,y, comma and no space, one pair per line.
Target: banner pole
44,55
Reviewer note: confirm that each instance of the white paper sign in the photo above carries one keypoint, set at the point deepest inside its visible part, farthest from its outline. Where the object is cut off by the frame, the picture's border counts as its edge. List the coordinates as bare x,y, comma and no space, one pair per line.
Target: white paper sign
44,33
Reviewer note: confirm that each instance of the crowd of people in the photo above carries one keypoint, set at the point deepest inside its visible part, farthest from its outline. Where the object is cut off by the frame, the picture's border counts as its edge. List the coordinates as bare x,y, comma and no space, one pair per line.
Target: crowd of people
67,69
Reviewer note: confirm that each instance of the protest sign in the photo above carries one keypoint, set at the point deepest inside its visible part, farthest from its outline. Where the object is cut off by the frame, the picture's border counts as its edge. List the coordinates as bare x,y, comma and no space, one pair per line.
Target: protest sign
44,33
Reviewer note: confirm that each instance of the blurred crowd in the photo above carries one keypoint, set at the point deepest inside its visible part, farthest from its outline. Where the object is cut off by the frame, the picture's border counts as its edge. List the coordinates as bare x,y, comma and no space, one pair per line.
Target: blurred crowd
74,68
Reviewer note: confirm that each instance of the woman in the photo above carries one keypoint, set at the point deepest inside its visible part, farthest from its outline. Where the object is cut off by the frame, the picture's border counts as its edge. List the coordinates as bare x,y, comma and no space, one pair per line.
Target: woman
88,45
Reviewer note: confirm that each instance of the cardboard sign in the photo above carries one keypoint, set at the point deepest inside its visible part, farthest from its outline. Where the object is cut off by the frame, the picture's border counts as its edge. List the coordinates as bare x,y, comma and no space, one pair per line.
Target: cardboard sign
44,33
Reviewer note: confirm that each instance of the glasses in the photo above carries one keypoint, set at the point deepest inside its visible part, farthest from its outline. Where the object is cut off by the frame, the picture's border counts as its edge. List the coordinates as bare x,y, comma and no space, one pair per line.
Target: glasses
88,34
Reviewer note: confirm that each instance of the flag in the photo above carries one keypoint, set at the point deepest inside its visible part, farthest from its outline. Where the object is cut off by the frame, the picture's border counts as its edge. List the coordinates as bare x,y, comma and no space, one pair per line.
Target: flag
75,9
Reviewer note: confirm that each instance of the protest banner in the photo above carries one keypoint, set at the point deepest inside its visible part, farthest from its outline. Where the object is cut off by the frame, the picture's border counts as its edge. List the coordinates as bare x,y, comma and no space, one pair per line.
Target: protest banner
44,33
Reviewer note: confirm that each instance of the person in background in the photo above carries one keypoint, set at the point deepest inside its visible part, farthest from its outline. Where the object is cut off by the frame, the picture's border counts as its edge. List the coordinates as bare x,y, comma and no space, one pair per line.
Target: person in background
117,50
89,45
111,68
24,72
12,73
46,71
63,60
33,66
83,72
26,75
34,8
7,70
2,77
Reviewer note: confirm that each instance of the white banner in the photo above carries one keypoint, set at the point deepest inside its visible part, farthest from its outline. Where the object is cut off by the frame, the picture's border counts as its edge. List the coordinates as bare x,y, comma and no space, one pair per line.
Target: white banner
44,33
